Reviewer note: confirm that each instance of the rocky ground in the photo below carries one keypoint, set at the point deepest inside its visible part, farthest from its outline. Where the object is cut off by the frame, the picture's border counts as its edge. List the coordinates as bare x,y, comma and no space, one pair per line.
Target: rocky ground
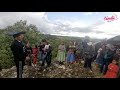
75,70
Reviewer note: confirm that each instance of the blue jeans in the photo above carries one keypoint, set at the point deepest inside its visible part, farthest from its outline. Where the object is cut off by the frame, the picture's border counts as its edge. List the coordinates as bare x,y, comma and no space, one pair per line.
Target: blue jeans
40,56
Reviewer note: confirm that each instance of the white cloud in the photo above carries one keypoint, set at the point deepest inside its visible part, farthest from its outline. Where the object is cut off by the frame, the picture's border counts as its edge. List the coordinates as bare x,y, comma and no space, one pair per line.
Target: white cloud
88,13
62,26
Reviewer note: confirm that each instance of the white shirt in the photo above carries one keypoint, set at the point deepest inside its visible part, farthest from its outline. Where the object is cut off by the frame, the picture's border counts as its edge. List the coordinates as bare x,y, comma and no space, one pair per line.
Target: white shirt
46,46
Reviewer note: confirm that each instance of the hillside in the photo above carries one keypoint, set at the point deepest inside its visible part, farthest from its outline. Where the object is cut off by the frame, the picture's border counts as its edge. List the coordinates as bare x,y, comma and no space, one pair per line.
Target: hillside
54,71
115,40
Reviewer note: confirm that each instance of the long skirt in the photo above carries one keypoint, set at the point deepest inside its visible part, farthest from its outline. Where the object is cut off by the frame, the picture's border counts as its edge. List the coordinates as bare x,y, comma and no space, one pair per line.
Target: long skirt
34,58
70,57
61,56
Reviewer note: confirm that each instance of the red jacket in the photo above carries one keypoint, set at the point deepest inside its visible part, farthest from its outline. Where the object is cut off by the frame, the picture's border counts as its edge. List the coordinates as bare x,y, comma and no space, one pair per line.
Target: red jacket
35,51
112,71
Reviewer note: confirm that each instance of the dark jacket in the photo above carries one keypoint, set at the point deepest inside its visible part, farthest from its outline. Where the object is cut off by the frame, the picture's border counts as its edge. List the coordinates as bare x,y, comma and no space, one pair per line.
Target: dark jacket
40,48
28,51
18,51
116,57
67,48
89,53
49,51
109,55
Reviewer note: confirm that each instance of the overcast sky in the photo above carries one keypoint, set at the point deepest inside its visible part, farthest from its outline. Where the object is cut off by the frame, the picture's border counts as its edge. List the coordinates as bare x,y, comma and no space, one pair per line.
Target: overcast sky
78,24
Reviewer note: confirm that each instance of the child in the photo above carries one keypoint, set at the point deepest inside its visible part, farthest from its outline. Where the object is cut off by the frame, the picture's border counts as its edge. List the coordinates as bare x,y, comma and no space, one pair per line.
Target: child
28,51
34,54
77,55
70,56
112,70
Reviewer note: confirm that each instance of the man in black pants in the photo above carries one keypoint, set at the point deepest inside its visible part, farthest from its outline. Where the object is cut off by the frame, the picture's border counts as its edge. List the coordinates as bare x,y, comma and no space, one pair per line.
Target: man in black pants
89,56
18,51
88,61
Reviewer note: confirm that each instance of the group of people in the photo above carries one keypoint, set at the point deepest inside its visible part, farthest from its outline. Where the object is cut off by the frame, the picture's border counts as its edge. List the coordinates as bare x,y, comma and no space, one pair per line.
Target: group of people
38,53
76,52
108,60
107,57
70,53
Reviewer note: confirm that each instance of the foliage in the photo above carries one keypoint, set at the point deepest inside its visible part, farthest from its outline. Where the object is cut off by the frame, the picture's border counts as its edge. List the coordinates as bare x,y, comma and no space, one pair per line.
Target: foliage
32,35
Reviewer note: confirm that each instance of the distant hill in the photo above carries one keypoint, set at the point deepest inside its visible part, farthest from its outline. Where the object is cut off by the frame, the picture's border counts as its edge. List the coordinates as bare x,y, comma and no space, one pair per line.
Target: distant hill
48,36
114,40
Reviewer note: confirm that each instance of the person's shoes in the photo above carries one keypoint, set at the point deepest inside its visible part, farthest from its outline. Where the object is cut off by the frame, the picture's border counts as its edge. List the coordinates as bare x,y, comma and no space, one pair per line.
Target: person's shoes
104,73
42,64
62,63
48,65
101,74
91,71
59,63
32,64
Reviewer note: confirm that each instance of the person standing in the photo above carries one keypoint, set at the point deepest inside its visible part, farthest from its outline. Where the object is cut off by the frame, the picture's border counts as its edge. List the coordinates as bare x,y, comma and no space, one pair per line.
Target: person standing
18,51
70,54
117,55
61,53
88,55
47,53
34,54
77,52
112,70
28,51
107,58
98,58
39,53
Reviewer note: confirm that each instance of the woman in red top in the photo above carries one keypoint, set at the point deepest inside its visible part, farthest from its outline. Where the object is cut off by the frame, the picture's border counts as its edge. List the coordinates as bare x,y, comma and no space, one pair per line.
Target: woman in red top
112,70
34,54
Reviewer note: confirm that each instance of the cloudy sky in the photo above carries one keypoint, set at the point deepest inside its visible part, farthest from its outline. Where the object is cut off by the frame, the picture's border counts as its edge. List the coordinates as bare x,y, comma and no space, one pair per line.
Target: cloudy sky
78,24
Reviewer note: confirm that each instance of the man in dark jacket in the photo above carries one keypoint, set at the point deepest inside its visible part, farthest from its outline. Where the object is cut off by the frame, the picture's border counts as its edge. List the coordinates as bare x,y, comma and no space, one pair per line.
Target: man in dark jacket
18,51
107,57
88,55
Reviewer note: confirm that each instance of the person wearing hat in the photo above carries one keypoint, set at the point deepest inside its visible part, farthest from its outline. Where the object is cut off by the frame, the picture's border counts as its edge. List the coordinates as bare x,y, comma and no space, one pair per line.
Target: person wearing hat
18,51
117,55
107,58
